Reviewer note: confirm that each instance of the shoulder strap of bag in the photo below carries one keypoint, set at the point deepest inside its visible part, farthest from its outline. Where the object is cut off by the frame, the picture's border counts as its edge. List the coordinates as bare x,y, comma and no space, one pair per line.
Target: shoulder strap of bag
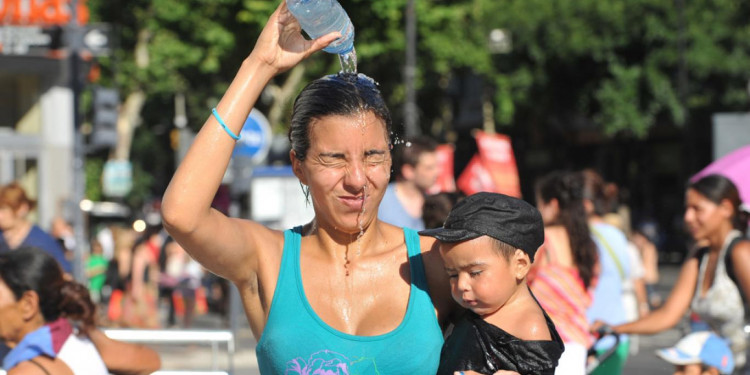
611,252
728,263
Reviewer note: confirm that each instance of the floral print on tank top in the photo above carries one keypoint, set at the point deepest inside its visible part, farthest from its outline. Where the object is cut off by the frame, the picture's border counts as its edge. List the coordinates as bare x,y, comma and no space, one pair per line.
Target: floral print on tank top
326,362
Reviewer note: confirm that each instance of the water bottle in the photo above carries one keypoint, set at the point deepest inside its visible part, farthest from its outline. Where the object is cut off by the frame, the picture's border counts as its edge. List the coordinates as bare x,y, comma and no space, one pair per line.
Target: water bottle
320,17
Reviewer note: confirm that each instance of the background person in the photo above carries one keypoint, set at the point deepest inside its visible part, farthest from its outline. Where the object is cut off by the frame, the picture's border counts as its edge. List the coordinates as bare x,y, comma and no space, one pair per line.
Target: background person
437,207
346,290
715,276
565,268
18,231
614,272
38,310
645,238
415,166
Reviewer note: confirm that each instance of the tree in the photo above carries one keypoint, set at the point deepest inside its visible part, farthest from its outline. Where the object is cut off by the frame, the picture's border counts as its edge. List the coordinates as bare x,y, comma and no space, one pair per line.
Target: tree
612,67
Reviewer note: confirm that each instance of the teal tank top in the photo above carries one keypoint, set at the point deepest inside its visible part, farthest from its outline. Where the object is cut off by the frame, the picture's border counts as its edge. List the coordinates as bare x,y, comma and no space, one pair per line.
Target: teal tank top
296,341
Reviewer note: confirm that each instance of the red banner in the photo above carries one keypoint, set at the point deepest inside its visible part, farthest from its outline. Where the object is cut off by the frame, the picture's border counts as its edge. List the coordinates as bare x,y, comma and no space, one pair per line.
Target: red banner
445,181
493,169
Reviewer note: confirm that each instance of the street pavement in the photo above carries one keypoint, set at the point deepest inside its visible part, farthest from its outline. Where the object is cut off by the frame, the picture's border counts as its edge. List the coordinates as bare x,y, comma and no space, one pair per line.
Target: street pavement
200,357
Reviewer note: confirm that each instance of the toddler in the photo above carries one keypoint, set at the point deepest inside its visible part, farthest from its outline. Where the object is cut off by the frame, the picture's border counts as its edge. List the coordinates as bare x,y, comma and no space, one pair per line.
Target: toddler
488,243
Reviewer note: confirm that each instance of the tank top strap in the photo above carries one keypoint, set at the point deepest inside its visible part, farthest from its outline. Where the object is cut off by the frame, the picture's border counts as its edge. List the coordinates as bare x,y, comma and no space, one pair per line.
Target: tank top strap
416,264
285,295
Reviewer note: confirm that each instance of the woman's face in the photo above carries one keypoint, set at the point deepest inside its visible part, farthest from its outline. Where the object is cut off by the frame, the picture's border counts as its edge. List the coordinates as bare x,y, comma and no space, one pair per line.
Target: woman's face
703,217
11,319
347,169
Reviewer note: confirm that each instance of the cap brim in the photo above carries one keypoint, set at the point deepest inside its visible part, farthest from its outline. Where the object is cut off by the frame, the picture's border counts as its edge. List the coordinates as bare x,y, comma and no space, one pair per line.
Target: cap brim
677,357
450,235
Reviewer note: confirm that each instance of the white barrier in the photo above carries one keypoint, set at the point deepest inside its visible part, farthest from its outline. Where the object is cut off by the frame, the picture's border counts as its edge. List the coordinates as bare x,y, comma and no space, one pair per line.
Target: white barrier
163,336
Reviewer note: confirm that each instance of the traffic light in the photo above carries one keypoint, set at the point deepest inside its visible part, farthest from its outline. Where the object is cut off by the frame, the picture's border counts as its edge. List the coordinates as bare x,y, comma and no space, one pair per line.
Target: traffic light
106,110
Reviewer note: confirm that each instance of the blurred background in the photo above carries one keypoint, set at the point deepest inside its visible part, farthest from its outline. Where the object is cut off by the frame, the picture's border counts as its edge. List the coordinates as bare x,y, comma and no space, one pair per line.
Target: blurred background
100,99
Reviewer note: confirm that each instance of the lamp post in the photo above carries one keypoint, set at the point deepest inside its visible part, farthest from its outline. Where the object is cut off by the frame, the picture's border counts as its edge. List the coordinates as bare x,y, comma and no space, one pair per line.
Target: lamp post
79,177
411,115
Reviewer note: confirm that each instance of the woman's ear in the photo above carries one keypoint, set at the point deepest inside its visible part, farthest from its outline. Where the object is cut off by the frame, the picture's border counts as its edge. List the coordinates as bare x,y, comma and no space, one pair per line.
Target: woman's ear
297,167
727,209
521,264
29,305
555,204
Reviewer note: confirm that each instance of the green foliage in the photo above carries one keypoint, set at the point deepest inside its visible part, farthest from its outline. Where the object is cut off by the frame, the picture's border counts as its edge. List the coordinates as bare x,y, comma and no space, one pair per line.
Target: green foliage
621,65
93,168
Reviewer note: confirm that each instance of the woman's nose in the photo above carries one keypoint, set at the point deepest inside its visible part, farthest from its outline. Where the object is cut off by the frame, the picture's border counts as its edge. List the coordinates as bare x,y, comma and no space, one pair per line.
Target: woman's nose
355,178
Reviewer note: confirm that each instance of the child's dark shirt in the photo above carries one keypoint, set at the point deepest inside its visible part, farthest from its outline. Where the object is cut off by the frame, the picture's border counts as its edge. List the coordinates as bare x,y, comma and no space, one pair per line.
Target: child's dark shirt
482,347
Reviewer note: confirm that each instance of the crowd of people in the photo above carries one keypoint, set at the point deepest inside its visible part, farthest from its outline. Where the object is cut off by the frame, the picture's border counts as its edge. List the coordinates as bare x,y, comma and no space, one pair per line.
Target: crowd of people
385,278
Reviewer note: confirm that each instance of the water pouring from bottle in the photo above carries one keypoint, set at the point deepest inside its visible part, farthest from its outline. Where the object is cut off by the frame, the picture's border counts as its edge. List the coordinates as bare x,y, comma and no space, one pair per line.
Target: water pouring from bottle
320,17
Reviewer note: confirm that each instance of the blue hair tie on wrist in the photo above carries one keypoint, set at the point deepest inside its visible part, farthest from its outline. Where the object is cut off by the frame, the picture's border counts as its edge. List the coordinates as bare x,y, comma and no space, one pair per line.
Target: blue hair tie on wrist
223,125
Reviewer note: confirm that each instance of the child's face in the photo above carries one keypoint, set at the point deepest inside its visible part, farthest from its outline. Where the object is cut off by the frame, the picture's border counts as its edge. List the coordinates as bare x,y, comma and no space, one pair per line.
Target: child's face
481,278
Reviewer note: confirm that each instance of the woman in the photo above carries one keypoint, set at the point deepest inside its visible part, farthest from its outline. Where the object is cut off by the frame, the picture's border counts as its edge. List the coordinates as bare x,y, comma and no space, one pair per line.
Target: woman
18,231
714,278
565,266
345,290
37,306
615,273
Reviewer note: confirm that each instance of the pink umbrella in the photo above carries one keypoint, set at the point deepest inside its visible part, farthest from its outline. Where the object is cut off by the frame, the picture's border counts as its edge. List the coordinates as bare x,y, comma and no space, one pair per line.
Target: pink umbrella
734,166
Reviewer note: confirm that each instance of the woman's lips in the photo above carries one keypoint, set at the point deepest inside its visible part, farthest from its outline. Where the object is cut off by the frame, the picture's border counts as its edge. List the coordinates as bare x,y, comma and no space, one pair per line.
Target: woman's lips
352,201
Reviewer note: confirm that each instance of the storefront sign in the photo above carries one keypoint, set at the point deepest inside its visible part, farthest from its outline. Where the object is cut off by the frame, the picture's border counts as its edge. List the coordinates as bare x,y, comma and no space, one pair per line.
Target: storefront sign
41,12
29,40
34,27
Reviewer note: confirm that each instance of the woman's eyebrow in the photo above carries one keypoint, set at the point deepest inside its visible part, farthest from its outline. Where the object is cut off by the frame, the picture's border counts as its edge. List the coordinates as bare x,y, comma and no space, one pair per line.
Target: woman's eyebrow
374,152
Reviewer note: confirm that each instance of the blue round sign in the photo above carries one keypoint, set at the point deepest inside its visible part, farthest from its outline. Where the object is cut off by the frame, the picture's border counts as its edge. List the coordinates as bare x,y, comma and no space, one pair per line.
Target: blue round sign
255,138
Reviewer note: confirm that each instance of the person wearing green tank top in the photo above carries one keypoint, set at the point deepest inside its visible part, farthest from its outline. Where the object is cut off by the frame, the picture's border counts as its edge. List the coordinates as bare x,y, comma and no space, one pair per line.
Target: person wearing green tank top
345,293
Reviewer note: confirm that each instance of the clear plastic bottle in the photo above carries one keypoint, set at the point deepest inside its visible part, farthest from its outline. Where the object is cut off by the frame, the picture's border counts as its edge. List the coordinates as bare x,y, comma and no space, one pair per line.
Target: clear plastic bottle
320,17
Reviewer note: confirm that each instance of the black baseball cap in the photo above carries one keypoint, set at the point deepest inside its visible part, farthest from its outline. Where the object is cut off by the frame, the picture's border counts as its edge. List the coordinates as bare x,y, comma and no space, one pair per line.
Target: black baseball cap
507,219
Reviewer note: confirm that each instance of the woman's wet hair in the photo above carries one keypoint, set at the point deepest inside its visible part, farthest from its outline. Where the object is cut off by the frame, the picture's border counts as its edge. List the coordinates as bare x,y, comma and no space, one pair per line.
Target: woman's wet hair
14,196
717,188
32,269
568,189
338,94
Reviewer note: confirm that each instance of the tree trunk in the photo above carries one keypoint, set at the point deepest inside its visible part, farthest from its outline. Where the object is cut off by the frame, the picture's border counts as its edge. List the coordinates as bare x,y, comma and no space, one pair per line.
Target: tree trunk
130,113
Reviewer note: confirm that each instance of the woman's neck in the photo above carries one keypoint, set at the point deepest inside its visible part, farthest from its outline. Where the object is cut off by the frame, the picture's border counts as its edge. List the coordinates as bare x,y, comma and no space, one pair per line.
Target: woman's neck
29,326
716,239
15,235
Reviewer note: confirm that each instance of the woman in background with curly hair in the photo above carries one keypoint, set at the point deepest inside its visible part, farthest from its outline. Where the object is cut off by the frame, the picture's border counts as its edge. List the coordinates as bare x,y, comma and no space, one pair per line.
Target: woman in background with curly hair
566,265
37,309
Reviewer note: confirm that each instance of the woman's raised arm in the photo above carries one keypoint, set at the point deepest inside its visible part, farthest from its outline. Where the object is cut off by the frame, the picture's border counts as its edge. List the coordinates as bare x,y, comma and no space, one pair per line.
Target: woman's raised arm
672,311
223,245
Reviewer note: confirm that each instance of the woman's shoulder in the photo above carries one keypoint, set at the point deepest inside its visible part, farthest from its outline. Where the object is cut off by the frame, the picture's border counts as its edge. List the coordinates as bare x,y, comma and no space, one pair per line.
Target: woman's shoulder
41,365
741,250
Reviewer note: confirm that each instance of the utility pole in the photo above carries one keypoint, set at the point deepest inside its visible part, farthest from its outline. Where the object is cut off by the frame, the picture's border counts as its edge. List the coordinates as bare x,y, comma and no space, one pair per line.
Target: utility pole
411,115
79,178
